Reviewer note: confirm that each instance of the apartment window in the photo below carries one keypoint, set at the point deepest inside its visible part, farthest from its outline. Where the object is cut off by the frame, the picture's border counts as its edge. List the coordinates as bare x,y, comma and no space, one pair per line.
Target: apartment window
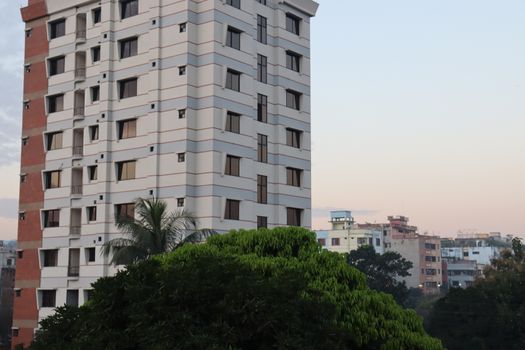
430,258
180,202
21,216
262,108
293,138
15,331
293,61
293,23
54,140
91,254
182,113
181,157
234,3
93,172
262,148
20,254
262,2
182,70
23,178
52,179
321,241
129,8
97,15
293,216
336,241
52,218
92,213
293,177
95,54
128,47
262,30
57,28
57,65
50,258
430,246
233,165
125,211
293,99
126,170
95,93
48,298
93,132
262,189
262,69
72,297
233,80
378,242
127,129
128,88
233,122
55,103
233,38
182,28
232,209
262,222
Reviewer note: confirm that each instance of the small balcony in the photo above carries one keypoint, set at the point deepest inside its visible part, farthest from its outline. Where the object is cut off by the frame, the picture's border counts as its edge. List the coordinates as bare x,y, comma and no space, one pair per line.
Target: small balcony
78,111
81,28
76,190
80,65
73,271
79,106
78,152
75,230
80,73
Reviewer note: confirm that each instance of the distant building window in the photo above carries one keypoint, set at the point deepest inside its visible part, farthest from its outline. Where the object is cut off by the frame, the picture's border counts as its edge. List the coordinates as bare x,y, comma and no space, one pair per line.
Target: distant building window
262,189
336,241
97,15
430,258
126,170
57,65
262,29
72,297
48,298
181,157
262,69
234,3
50,258
127,129
95,54
233,38
262,108
233,80
293,216
293,61
293,177
57,28
182,70
128,88
54,140
430,246
465,254
322,242
262,148
293,138
128,47
93,172
378,242
262,222
233,122
232,209
180,202
182,28
129,8
262,2
91,254
431,284
95,93
233,165
52,179
55,103
293,23
52,218
125,211
293,99
93,132
92,213
182,113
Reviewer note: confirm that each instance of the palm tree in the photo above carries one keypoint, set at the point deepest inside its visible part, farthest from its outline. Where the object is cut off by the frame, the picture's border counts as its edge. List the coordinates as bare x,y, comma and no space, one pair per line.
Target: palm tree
155,231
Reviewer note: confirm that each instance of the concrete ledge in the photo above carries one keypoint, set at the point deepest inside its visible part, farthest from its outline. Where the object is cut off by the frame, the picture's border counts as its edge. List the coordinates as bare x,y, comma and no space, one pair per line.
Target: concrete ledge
307,6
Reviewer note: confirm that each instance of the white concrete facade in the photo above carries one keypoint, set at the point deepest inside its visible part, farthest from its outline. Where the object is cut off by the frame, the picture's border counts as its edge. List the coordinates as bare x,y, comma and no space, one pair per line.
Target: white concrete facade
171,34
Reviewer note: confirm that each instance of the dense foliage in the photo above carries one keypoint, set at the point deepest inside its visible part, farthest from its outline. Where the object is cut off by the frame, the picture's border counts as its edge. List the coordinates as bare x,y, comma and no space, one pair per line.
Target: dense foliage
155,230
490,314
382,271
266,289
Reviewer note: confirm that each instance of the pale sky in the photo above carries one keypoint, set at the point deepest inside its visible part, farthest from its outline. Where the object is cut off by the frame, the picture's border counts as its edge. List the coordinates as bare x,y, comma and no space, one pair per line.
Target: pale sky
418,110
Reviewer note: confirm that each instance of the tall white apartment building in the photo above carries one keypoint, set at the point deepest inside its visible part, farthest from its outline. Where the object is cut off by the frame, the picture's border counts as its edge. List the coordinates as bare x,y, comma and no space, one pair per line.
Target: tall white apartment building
202,103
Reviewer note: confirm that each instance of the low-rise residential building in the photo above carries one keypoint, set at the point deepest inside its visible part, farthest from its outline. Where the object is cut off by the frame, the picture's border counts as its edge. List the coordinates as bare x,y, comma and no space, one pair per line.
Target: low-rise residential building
346,236
460,273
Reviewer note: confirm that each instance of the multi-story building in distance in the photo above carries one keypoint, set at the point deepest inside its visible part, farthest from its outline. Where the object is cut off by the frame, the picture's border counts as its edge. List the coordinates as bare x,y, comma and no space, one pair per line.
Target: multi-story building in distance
202,103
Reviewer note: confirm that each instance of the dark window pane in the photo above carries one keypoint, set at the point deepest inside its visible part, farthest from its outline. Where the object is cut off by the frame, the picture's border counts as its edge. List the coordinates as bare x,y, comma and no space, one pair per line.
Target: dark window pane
55,103
95,54
293,61
233,165
233,122
57,65
262,108
233,80
293,138
50,258
262,222
293,216
262,189
95,93
233,38
129,8
128,88
128,47
262,69
51,218
48,298
293,99
262,35
234,3
97,15
57,28
125,211
293,177
127,129
292,23
262,148
232,209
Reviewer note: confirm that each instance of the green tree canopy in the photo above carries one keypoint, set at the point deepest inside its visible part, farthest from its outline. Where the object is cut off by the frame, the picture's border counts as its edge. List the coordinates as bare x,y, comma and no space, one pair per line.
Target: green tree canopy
382,270
490,314
265,289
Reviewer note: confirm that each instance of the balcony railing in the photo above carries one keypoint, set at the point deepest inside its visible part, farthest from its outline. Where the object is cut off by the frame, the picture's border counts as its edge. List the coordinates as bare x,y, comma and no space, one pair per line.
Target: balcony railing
78,111
80,73
78,151
76,189
73,271
75,230
81,34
